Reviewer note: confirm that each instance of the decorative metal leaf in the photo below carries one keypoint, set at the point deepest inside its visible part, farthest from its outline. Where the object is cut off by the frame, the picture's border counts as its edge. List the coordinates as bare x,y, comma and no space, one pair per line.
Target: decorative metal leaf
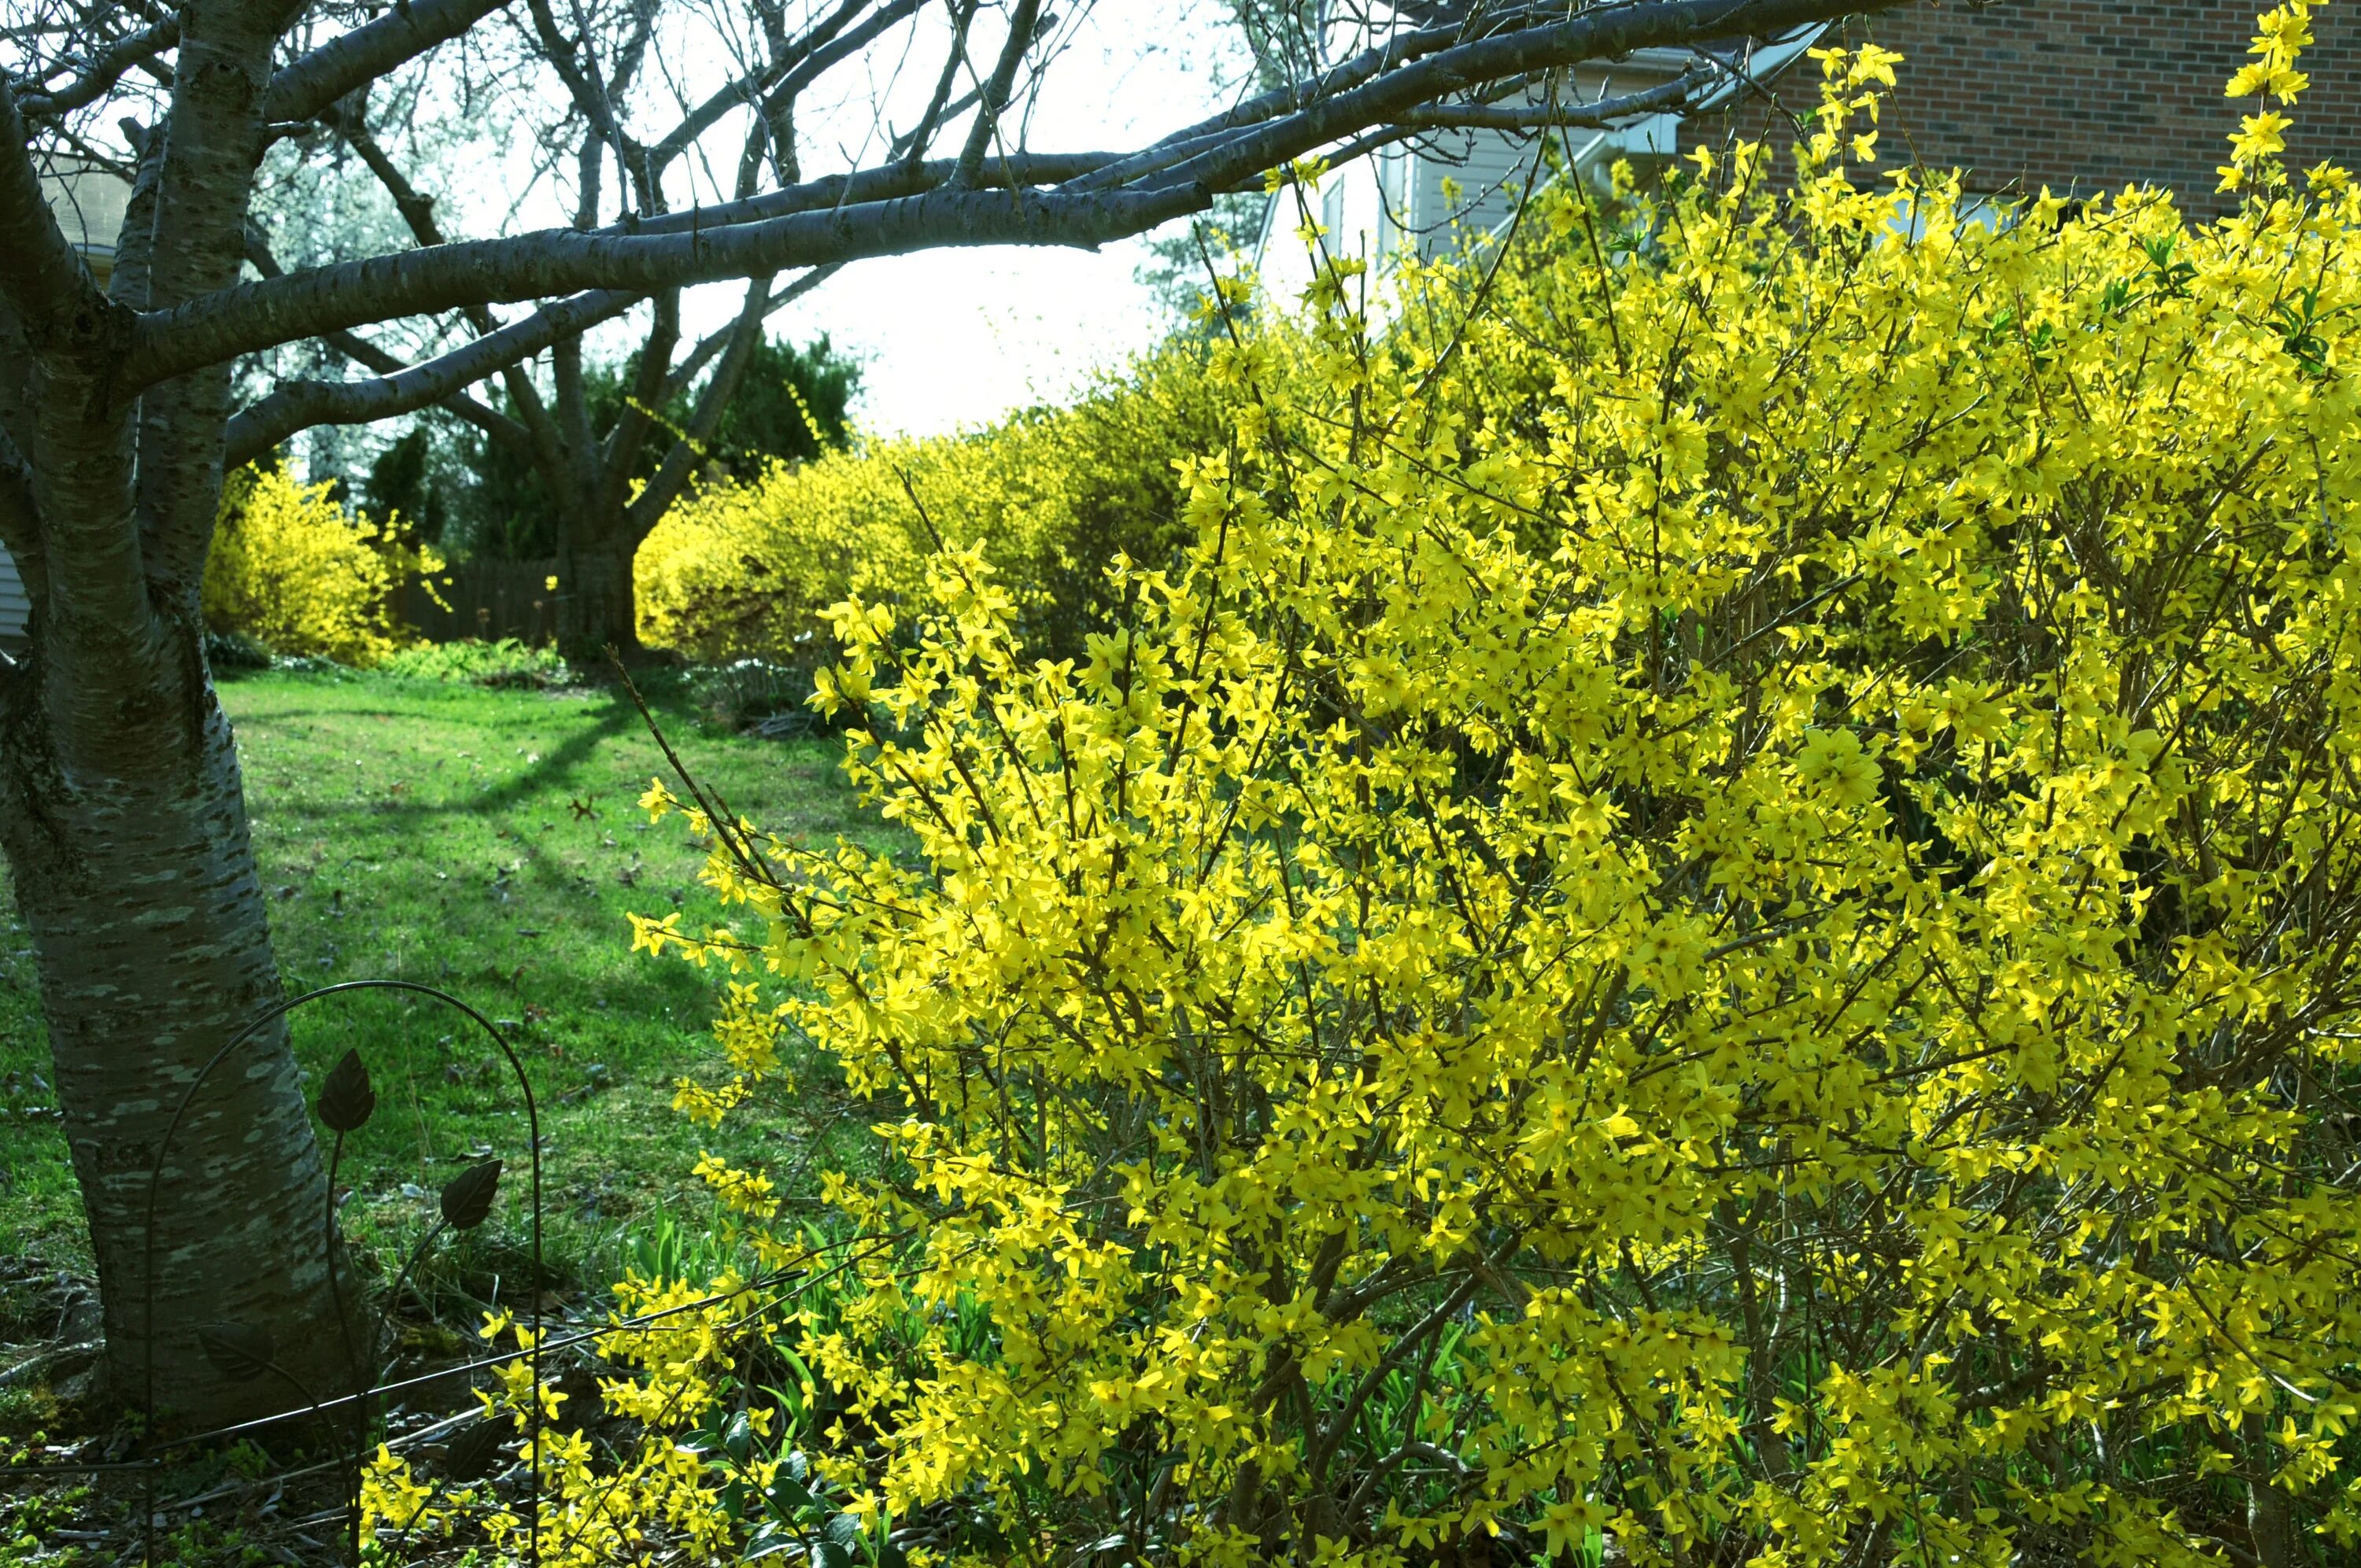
474,1450
467,1197
346,1101
240,1352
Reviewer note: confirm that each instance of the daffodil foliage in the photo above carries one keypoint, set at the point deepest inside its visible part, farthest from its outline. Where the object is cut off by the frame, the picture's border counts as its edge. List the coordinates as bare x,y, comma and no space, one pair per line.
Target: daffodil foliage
1717,912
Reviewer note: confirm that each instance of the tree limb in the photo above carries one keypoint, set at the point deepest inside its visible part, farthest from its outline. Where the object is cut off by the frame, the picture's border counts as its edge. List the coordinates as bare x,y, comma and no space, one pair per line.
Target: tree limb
654,255
915,144
672,475
300,90
368,354
532,426
878,185
1595,114
40,273
750,87
417,210
20,517
589,95
643,408
1604,33
249,317
134,242
684,375
299,405
1390,55
16,377
781,97
60,334
118,57
995,92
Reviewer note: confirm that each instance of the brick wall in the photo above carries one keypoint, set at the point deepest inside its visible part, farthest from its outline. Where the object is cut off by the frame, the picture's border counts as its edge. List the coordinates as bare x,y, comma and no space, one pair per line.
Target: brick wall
2081,95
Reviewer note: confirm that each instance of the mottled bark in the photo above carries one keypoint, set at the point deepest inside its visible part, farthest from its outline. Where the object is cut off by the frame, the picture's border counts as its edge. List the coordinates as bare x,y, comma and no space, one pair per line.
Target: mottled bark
140,890
121,811
594,596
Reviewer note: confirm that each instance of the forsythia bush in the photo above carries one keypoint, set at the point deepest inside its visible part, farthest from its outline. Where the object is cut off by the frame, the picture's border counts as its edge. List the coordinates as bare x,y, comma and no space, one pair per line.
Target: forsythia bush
1050,496
1715,914
292,569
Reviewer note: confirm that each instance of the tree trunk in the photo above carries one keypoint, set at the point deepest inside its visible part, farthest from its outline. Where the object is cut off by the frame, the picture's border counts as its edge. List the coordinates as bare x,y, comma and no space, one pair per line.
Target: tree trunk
596,608
141,888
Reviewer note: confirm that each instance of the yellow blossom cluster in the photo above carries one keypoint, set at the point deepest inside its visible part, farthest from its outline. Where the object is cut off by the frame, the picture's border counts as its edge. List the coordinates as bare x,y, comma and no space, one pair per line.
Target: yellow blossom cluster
1713,917
749,569
292,568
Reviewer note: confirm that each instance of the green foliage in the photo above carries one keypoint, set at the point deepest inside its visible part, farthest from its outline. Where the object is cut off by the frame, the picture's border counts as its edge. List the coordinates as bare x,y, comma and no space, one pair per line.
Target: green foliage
402,492
507,663
428,829
790,407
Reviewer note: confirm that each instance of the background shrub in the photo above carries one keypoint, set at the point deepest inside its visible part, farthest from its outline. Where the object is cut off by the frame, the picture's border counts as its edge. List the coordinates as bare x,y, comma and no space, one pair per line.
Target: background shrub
505,663
234,651
790,407
747,569
296,572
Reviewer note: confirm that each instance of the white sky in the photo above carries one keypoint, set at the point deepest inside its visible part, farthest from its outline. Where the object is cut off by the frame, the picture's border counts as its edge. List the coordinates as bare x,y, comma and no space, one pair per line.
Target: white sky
956,339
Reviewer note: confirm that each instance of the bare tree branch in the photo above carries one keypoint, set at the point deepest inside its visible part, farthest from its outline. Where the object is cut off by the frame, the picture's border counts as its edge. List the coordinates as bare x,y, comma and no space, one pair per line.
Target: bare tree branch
532,426
21,515
417,210
123,54
641,408
39,272
867,185
822,60
1392,54
79,488
134,242
995,93
301,89
750,87
1604,33
1597,114
249,317
362,352
299,405
589,95
679,465
686,373
916,143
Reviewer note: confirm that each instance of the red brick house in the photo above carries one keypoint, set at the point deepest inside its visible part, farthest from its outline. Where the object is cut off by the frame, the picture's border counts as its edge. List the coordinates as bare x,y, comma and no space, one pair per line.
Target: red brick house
2084,96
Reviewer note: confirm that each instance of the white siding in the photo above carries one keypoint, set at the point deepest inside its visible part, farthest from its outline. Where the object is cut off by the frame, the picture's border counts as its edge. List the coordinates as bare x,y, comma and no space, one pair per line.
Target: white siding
14,606
1487,173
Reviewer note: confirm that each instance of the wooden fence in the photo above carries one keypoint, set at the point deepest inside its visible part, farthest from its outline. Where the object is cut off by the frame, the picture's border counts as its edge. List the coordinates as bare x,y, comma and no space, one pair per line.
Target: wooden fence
485,599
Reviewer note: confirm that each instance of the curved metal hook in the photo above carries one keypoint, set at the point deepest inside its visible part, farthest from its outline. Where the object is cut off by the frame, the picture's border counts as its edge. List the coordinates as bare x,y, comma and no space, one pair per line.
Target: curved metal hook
156,1170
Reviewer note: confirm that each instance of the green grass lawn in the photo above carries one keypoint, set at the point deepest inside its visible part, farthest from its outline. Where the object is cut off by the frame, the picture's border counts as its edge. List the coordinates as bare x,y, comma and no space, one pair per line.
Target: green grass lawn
485,842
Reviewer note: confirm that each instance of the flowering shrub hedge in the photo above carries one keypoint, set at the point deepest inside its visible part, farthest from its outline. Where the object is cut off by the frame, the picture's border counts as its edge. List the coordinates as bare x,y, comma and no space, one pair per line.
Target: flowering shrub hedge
741,570
295,570
1716,911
